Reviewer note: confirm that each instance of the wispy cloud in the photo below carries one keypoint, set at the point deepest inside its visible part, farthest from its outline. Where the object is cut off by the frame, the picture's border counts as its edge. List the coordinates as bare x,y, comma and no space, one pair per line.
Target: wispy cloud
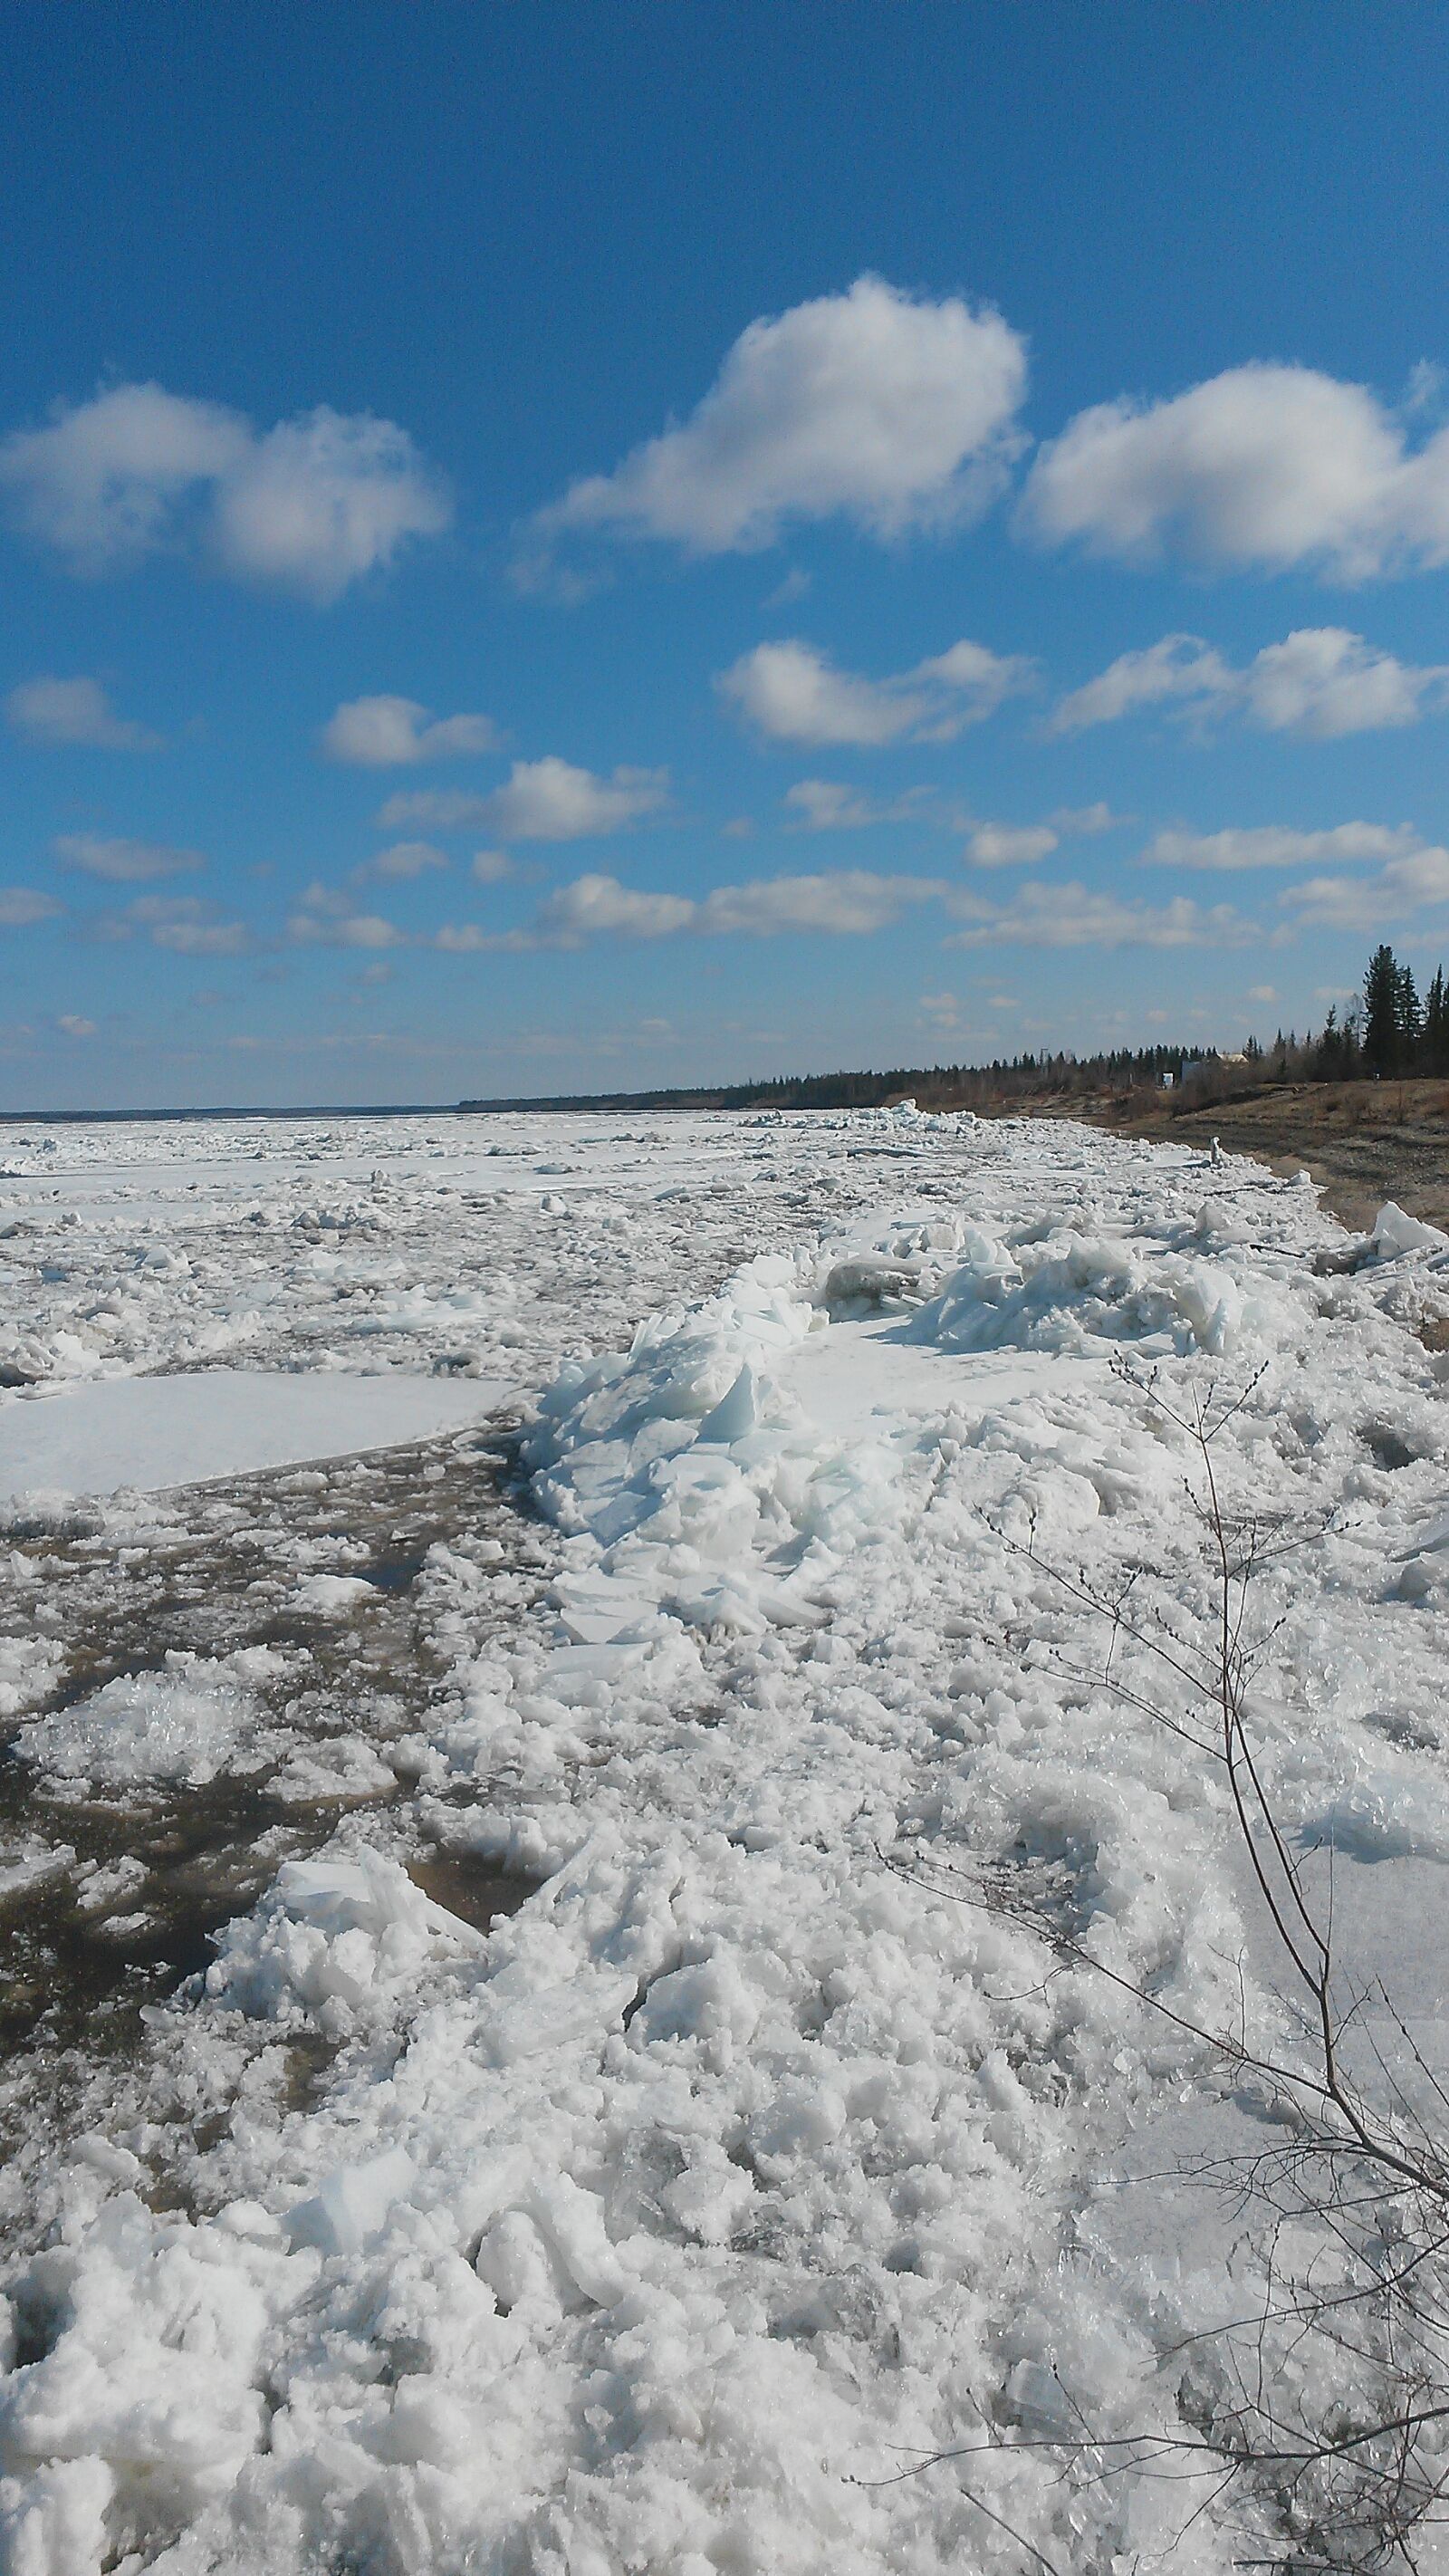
1077,916
847,902
1008,845
826,805
1407,886
1275,845
325,917
792,692
435,809
1320,683
184,923
123,862
399,863
541,800
1005,845
22,906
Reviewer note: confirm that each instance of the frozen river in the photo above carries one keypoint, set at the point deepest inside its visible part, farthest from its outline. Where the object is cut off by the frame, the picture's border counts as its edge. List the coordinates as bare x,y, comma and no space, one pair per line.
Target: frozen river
620,1895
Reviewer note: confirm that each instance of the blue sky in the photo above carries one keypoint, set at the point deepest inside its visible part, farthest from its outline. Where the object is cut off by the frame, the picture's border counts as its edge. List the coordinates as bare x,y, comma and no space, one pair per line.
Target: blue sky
569,547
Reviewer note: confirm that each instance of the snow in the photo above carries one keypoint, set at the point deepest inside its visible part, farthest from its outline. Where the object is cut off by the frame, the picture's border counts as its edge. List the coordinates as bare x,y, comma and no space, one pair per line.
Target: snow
761,2192
862,1371
151,1432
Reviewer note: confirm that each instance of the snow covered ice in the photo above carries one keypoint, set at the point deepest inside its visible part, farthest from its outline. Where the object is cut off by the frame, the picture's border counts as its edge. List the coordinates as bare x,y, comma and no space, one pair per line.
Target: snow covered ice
98,1435
756,2177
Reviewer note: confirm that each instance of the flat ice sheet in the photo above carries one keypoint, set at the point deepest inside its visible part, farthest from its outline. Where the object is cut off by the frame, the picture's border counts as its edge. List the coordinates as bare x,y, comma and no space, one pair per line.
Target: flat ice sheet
151,1432
858,1371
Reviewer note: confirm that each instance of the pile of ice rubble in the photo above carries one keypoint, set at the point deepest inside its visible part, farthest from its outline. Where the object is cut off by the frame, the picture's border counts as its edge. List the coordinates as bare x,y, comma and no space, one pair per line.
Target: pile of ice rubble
753,2200
468,1244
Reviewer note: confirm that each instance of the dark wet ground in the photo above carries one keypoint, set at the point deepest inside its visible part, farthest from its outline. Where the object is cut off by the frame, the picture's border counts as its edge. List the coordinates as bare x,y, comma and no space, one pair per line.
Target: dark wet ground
139,1880
1363,1142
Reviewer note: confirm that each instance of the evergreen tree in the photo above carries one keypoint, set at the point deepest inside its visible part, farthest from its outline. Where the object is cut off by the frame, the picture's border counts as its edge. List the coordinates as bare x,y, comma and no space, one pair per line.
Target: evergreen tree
1382,1005
1329,1053
1410,1020
1434,1036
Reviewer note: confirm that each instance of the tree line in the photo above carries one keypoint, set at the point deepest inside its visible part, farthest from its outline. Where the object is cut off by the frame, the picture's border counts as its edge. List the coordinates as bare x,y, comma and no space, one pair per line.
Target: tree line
1391,1031
1387,1031
937,1086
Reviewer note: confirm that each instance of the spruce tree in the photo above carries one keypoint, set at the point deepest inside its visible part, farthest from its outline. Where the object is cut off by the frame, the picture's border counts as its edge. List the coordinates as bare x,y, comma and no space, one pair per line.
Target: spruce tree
1328,1058
1382,1001
1434,1037
1409,1019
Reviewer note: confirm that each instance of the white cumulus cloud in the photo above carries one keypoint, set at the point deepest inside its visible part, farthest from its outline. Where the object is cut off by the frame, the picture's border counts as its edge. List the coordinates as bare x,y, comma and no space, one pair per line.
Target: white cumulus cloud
792,692
1264,465
388,733
891,411
1321,682
551,800
594,905
78,711
71,1025
311,505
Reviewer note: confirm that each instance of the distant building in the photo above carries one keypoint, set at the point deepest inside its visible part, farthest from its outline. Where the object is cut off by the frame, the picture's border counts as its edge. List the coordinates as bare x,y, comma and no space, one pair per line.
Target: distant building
1198,1065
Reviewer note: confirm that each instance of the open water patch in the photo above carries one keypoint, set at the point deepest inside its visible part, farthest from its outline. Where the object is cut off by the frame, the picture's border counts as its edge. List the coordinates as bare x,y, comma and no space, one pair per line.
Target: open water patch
187,1727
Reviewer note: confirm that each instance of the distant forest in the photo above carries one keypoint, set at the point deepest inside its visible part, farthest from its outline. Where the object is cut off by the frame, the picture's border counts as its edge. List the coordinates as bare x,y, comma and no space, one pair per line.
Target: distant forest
1388,1032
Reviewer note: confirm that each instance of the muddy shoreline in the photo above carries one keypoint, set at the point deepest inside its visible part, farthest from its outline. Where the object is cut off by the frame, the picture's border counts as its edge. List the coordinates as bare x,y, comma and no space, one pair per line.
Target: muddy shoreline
1363,1142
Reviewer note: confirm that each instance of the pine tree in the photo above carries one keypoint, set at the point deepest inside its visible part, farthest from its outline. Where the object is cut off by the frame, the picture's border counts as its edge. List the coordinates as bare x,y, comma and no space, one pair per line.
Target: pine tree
1382,1002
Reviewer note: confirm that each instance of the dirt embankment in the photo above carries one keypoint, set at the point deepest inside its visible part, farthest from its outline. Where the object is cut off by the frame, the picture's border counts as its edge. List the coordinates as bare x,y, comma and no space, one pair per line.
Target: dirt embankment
1363,1142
